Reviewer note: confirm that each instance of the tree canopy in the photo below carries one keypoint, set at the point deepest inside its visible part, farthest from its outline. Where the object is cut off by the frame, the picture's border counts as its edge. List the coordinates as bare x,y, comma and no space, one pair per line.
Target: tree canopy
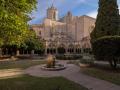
108,19
105,38
32,42
14,15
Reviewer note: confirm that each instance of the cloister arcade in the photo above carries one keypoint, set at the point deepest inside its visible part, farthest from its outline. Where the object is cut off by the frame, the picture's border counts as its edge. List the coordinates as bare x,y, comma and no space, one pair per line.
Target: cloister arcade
66,45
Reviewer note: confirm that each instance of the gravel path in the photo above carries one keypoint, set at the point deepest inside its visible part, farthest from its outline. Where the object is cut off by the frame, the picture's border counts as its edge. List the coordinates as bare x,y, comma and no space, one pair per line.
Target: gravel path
72,72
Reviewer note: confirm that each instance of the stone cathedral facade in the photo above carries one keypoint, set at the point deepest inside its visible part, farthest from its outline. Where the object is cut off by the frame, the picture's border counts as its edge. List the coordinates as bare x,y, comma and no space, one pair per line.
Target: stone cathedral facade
69,35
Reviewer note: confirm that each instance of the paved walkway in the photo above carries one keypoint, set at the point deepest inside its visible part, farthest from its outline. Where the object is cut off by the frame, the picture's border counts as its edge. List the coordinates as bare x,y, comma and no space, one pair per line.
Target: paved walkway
72,72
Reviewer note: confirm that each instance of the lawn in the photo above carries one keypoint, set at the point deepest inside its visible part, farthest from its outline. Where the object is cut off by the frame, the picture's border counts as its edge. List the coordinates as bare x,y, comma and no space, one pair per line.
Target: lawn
104,73
26,82
21,64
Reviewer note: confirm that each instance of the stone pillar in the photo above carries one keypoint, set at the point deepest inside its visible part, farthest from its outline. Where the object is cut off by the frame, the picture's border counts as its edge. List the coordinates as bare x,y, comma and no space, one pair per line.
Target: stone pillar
17,53
66,50
74,50
82,51
45,50
56,50
81,46
46,47
32,52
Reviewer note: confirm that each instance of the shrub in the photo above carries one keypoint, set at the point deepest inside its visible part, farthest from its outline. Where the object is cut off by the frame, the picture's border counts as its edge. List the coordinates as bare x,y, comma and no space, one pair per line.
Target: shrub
107,49
86,61
68,57
23,57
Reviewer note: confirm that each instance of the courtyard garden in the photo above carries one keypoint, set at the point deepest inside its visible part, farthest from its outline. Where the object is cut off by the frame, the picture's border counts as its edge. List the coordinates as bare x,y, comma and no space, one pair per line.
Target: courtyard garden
57,80
26,82
24,64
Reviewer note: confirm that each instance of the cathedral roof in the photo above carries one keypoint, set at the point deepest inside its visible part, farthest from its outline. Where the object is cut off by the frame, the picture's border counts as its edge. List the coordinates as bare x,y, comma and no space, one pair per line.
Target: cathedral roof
87,17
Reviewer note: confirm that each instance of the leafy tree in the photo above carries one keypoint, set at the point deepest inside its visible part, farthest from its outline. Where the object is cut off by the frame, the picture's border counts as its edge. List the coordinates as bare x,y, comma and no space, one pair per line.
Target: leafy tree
39,45
12,29
107,22
13,20
32,42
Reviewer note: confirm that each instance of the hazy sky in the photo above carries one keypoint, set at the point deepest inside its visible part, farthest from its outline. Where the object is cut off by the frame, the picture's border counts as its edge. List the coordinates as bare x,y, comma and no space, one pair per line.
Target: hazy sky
77,7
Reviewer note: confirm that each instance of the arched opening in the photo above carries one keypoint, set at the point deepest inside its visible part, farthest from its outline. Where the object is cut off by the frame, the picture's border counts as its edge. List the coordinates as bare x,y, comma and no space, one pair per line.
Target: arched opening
61,50
51,51
78,50
71,49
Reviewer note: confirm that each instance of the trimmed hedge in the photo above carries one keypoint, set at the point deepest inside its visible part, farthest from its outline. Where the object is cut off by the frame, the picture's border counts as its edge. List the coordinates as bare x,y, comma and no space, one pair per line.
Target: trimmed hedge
107,48
68,57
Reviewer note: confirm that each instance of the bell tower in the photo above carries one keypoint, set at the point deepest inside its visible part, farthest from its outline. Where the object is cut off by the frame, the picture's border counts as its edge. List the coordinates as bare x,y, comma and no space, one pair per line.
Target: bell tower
52,13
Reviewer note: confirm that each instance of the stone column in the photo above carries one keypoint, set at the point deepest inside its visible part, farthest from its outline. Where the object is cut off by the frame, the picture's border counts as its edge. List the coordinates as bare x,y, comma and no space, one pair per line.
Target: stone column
32,52
46,47
74,50
81,46
45,50
17,53
66,50
56,50
82,51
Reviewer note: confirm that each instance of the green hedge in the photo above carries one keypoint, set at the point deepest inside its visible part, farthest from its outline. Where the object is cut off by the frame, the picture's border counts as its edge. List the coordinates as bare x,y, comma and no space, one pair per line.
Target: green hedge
107,48
68,57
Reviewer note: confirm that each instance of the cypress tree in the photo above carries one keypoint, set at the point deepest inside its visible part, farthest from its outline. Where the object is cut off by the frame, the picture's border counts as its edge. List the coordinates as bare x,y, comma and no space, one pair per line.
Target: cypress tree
107,22
106,34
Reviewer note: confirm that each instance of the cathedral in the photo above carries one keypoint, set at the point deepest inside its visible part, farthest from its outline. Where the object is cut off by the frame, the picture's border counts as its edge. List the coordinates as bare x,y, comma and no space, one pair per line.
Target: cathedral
68,35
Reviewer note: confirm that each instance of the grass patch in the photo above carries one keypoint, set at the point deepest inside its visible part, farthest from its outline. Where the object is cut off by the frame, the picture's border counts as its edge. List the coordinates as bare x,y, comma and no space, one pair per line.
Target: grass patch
22,64
35,83
104,73
76,62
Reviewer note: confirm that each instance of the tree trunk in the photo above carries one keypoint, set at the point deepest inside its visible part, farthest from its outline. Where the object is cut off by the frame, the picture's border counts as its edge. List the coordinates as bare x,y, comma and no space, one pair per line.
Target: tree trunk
12,54
32,52
113,63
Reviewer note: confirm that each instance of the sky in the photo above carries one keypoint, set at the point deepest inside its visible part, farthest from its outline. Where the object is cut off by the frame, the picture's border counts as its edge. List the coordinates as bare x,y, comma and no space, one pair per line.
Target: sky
77,7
